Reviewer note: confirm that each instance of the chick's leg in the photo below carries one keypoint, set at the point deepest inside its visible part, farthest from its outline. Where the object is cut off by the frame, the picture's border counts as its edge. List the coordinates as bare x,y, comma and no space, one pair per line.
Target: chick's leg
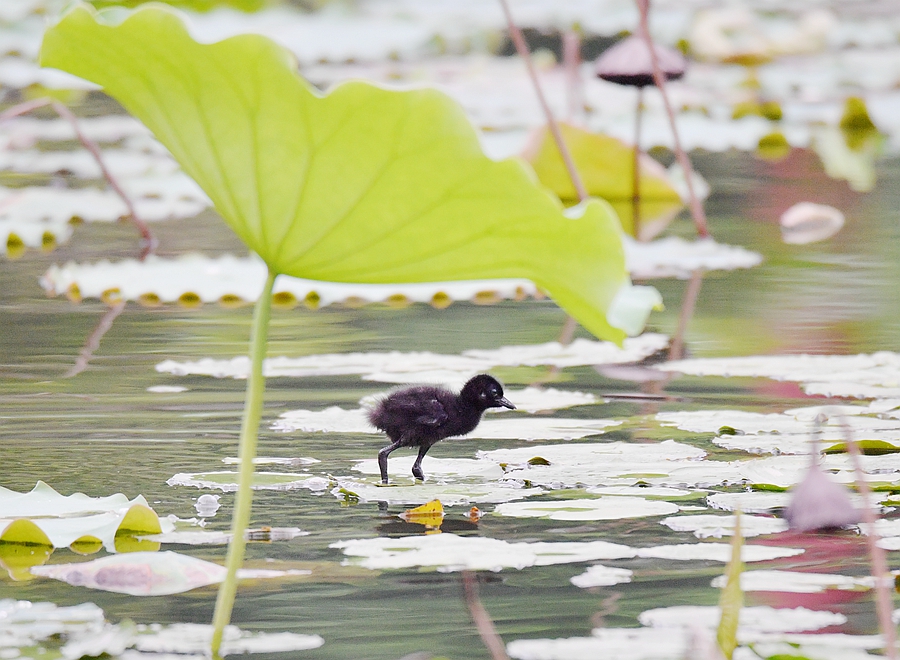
383,459
417,466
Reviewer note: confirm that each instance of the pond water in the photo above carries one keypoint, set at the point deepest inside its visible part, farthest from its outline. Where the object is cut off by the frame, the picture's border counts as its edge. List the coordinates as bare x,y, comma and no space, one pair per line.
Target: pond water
121,425
102,431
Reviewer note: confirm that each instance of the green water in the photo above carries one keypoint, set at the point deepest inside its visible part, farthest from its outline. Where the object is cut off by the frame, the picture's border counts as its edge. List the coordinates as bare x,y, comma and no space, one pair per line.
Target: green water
102,432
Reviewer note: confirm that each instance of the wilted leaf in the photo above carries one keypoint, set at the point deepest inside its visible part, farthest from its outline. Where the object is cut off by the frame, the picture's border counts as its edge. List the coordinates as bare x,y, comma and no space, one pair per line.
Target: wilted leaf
604,163
360,185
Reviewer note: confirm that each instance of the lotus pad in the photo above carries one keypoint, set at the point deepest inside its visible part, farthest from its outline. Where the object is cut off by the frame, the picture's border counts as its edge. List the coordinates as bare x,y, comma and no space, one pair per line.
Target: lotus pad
359,185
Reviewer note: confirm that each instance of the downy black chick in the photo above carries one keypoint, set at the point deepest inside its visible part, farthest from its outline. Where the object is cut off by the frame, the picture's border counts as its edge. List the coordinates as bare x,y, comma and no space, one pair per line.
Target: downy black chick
422,415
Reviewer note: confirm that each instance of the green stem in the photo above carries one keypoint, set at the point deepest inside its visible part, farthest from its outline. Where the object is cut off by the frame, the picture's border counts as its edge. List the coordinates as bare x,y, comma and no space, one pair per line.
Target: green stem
253,403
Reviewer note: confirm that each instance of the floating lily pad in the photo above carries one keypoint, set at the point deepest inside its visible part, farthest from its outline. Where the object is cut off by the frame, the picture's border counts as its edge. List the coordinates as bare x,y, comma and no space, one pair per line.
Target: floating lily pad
449,552
228,481
706,526
602,576
798,583
717,552
599,464
862,376
650,492
148,573
275,460
228,278
401,367
676,643
603,508
450,494
749,502
44,517
675,257
209,537
545,399
753,620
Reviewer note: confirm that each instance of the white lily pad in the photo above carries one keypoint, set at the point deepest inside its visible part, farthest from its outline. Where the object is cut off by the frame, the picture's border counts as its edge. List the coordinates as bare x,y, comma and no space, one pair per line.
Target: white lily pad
148,573
759,619
209,537
211,279
676,643
862,376
194,639
797,583
409,492
717,552
124,162
106,128
749,501
228,481
294,461
650,492
783,433
43,516
603,508
449,552
713,526
400,367
545,399
602,576
599,464
37,628
674,257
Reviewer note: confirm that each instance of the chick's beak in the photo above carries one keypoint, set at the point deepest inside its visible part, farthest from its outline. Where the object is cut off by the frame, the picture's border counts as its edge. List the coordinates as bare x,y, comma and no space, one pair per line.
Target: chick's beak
503,401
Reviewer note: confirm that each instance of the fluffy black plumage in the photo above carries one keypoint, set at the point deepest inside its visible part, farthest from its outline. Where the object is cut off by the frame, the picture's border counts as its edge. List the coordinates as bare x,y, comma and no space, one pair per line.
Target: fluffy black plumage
423,415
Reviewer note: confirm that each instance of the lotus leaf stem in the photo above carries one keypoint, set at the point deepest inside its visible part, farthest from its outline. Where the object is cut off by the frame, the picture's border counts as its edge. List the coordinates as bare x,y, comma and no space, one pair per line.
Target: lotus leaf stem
253,404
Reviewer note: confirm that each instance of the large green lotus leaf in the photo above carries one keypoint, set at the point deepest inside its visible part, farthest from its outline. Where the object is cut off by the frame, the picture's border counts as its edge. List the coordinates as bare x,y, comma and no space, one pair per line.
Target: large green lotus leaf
606,165
360,185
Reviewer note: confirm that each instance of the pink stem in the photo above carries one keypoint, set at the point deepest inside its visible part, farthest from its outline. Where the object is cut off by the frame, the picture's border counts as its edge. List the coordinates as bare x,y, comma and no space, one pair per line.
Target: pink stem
149,242
571,43
883,581
522,48
482,619
660,80
94,150
636,171
92,343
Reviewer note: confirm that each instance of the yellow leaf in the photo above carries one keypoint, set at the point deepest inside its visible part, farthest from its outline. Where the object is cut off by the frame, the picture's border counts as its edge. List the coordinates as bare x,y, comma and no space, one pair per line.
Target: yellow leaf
430,514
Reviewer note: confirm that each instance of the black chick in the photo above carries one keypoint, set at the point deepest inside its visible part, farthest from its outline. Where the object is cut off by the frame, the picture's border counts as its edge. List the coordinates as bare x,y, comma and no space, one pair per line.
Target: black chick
423,415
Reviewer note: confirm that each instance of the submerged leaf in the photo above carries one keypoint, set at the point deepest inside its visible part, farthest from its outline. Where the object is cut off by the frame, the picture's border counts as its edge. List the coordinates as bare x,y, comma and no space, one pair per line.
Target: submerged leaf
148,573
360,185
